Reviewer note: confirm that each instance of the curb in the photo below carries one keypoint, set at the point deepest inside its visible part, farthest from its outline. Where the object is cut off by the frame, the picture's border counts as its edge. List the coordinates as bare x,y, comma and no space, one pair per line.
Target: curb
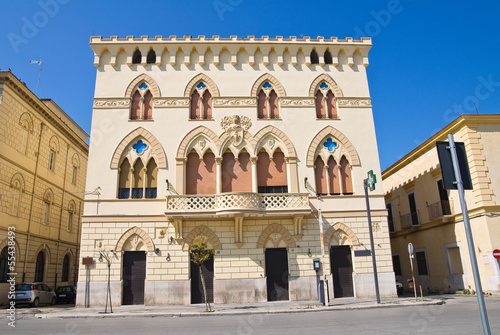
101,315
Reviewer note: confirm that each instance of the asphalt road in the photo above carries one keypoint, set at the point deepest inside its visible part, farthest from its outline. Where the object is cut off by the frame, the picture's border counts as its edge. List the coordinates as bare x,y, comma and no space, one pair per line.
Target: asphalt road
459,315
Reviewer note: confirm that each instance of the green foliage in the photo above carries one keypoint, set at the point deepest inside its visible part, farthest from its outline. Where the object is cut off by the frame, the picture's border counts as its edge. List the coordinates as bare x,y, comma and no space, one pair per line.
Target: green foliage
199,252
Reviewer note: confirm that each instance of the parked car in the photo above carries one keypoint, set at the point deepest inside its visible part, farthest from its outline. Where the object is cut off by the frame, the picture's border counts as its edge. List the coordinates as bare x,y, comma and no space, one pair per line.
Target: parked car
399,288
66,294
34,294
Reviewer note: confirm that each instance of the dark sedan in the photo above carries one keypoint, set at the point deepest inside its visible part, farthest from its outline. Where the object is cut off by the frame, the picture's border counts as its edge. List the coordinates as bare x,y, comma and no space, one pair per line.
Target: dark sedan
66,294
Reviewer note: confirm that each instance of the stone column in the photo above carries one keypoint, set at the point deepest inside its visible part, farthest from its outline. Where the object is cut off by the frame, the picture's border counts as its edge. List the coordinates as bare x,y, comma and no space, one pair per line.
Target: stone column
255,184
218,176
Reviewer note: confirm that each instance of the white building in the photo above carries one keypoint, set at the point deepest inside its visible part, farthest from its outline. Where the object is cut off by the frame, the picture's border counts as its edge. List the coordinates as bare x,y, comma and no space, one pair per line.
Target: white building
231,139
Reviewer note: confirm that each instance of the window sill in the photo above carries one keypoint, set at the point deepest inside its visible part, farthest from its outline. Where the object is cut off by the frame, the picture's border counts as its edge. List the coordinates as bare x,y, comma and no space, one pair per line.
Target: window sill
140,120
212,119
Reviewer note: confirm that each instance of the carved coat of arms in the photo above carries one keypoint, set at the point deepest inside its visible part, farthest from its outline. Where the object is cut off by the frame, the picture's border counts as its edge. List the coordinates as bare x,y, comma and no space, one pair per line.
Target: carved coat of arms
235,126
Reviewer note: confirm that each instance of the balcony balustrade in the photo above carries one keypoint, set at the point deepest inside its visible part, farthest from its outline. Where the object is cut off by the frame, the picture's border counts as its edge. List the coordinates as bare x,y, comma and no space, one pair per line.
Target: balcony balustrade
410,220
439,209
237,202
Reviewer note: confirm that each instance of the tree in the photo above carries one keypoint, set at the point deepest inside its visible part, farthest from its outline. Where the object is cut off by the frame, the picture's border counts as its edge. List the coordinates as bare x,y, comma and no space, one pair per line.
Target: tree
199,255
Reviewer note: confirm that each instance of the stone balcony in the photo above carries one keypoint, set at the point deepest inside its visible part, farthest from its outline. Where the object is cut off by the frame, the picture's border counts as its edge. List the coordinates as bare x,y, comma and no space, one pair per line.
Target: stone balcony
247,204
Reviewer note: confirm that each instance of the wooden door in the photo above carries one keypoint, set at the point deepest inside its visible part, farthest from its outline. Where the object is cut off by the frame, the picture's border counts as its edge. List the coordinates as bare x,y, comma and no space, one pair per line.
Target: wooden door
196,286
134,275
277,274
341,265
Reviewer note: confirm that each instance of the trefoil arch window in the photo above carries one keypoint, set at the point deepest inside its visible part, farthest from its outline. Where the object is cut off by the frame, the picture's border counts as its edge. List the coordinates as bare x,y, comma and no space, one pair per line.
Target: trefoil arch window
326,103
142,103
332,171
201,102
267,102
140,180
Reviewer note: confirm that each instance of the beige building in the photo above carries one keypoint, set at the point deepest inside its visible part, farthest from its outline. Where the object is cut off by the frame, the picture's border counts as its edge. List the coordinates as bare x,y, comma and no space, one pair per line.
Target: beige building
43,165
231,139
422,212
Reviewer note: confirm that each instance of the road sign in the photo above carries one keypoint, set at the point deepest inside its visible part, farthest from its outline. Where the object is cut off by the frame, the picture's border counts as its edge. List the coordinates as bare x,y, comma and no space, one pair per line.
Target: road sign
410,249
496,253
446,164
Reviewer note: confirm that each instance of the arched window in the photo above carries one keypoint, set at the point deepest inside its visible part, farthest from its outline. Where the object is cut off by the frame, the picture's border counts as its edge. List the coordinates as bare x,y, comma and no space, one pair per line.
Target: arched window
271,173
236,173
138,180
47,202
201,103
40,266
314,57
151,179
267,102
71,211
333,177
124,181
201,174
320,176
65,268
326,104
345,176
136,57
151,58
142,103
4,268
328,57
15,189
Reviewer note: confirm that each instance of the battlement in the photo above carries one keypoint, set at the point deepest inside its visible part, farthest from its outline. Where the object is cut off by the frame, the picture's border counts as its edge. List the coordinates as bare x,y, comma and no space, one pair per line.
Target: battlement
239,50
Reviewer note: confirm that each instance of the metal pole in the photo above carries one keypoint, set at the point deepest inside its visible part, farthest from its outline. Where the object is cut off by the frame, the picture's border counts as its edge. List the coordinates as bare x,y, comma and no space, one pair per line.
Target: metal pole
325,287
375,276
413,277
468,232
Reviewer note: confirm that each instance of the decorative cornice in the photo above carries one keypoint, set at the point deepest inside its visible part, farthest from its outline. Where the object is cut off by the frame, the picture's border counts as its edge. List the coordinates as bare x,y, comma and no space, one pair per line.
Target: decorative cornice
296,102
111,103
171,102
235,101
354,102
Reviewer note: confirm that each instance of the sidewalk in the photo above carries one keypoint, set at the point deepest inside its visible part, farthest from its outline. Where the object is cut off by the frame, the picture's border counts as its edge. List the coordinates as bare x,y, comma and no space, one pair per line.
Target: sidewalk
218,310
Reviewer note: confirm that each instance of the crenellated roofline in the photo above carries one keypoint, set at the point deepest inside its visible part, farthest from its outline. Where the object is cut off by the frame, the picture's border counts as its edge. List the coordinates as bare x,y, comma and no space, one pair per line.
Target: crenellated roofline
194,49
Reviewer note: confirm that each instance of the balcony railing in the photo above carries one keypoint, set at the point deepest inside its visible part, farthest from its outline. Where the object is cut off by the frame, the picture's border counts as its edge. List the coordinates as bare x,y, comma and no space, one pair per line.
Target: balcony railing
438,209
410,220
238,201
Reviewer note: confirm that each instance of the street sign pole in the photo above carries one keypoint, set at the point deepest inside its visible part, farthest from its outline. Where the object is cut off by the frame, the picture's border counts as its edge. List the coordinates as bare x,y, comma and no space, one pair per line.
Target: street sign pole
366,183
322,241
410,252
468,232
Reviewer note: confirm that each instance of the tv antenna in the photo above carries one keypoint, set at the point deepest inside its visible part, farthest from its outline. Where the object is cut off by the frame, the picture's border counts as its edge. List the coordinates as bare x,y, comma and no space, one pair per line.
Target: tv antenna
39,62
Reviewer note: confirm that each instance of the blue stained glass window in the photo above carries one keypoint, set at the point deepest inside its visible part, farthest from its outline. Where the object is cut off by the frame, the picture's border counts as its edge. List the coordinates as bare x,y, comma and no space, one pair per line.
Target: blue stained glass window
143,86
201,85
323,86
330,145
140,146
267,85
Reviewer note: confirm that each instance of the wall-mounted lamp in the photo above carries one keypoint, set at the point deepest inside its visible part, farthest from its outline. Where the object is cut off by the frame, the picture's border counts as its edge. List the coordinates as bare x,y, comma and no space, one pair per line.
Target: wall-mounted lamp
168,257
157,250
100,258
170,240
309,252
113,252
168,185
305,182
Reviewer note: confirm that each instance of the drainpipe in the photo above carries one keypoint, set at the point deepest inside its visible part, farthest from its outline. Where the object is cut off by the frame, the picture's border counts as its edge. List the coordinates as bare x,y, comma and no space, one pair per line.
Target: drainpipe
32,200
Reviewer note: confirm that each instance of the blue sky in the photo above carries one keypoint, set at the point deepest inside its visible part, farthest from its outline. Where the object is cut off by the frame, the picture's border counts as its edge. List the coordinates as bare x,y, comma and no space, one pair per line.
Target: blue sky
430,61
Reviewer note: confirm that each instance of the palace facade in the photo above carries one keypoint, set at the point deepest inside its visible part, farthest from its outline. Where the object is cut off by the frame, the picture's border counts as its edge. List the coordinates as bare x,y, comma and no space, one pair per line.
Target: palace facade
231,139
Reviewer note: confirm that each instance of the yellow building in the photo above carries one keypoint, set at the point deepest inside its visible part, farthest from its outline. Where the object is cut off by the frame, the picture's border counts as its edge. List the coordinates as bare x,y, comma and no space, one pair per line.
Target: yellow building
422,212
43,166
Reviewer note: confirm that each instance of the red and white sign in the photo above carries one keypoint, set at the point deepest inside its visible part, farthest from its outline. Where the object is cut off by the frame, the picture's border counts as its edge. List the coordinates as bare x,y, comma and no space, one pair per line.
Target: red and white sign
496,253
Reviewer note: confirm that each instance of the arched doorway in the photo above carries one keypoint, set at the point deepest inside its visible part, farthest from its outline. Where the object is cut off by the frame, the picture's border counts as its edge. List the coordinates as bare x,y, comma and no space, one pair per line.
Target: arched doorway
40,267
